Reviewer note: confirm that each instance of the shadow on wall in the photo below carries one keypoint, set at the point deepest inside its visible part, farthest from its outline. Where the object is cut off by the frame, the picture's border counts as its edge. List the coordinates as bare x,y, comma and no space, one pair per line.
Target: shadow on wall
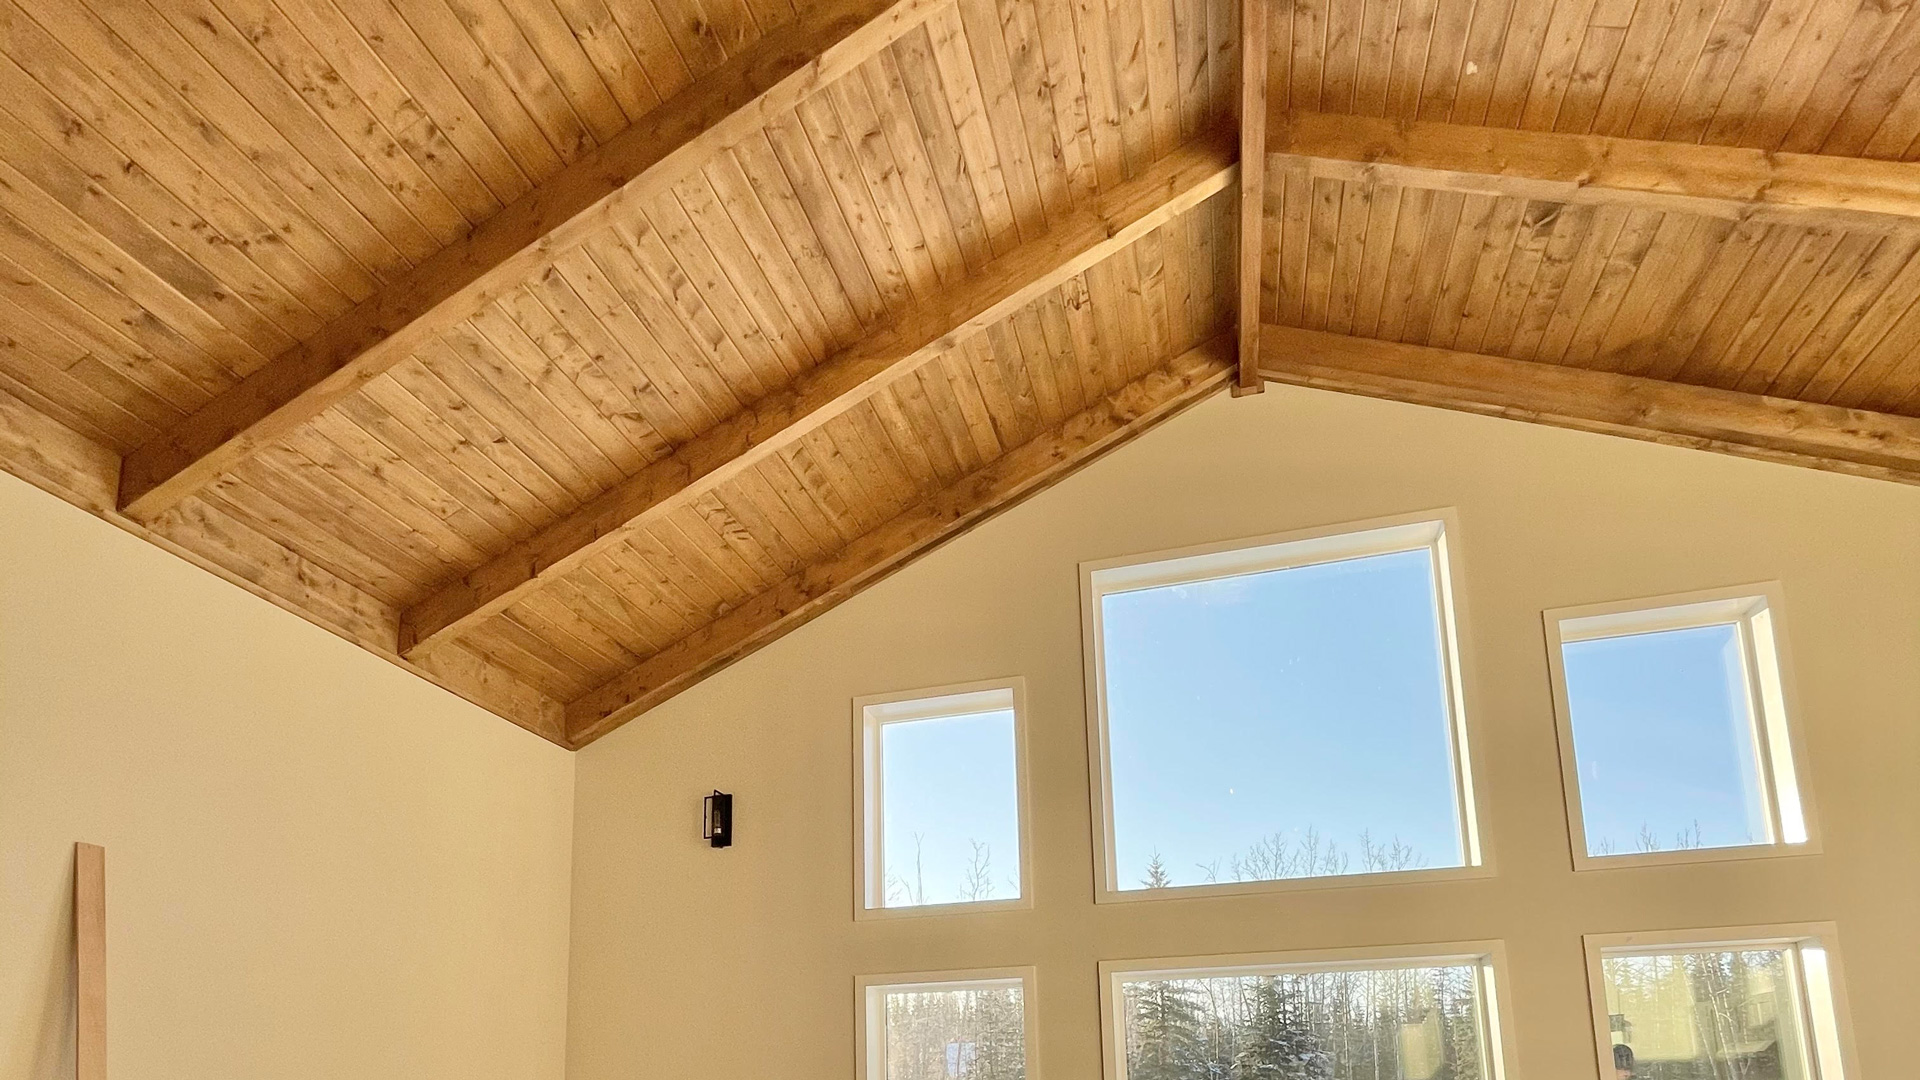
50,1054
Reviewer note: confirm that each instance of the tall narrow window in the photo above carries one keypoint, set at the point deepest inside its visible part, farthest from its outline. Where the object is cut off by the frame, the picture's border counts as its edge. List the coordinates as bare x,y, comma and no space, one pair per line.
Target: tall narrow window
948,1026
1287,708
942,804
1675,729
1756,1004
1341,1016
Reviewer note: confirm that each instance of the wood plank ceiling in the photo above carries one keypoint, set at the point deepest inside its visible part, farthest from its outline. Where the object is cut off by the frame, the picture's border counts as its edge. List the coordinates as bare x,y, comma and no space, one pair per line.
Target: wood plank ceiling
564,351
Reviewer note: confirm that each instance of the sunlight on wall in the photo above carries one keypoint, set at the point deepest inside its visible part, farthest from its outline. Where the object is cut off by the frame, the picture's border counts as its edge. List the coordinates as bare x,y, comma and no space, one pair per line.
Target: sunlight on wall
693,962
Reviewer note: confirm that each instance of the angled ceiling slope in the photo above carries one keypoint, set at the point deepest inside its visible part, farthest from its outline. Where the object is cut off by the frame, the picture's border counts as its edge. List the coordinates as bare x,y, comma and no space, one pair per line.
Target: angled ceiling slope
564,351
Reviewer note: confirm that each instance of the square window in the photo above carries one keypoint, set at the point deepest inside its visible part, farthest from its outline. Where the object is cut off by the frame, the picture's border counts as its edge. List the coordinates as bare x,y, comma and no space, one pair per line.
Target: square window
1281,709
942,804
1675,729
1353,1015
1757,1003
948,1026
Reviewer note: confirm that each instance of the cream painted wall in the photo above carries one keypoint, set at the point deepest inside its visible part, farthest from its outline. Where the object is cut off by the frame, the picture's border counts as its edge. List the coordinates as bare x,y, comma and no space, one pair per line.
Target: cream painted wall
318,865
689,962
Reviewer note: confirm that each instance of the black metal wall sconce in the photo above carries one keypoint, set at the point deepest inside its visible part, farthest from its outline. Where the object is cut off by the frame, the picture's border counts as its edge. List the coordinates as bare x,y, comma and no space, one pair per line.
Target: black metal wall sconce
718,828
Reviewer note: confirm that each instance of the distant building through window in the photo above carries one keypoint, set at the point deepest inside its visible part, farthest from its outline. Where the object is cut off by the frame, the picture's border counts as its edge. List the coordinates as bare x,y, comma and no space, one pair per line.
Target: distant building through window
1757,1009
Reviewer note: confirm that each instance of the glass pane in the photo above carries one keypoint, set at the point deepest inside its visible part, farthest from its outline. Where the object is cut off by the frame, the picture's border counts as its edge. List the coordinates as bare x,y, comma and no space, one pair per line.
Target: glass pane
950,810
1285,724
1706,1016
1421,1023
956,1035
1663,738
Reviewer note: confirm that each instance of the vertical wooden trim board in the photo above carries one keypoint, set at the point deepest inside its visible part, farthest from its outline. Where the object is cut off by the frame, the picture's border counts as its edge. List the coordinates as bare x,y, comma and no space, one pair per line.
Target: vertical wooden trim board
1253,175
90,960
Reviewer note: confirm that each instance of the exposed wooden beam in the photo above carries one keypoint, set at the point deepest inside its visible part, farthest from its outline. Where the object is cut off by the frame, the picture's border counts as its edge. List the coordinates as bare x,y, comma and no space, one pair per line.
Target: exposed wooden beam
90,961
1117,219
1827,437
1718,181
716,111
62,462
1253,188
937,518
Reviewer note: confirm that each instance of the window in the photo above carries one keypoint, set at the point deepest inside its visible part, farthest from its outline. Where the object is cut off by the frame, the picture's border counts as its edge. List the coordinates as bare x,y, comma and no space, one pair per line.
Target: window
1287,708
942,804
1357,1015
1756,1003
1674,728
949,1026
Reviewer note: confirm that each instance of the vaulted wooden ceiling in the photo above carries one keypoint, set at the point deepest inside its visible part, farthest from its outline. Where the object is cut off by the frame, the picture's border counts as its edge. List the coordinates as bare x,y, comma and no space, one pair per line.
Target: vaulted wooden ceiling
564,351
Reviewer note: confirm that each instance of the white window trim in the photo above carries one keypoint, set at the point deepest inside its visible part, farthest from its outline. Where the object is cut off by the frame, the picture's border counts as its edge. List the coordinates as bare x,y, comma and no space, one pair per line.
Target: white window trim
1779,750
1490,955
1436,530
1823,998
870,997
874,711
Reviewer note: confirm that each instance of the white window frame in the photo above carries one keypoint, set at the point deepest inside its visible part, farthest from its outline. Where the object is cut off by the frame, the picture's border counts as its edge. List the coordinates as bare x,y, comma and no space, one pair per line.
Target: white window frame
875,711
1436,531
870,1005
1817,970
1489,955
1779,753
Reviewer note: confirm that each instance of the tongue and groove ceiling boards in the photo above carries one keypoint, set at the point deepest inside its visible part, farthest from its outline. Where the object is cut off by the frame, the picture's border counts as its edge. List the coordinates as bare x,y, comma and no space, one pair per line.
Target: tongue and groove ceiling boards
1560,209
565,351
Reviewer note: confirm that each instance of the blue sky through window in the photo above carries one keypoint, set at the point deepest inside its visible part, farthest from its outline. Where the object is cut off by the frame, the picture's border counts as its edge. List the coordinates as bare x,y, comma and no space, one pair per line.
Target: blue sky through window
950,810
1663,740
1299,704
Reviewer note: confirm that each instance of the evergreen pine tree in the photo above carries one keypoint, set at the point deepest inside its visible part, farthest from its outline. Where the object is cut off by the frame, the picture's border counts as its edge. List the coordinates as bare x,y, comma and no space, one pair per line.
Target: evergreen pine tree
999,1037
1157,876
1166,1022
1277,1040
1460,1012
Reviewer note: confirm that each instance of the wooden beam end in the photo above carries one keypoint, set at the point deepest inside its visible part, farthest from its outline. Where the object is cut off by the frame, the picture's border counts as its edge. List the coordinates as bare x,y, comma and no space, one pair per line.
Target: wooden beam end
150,485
